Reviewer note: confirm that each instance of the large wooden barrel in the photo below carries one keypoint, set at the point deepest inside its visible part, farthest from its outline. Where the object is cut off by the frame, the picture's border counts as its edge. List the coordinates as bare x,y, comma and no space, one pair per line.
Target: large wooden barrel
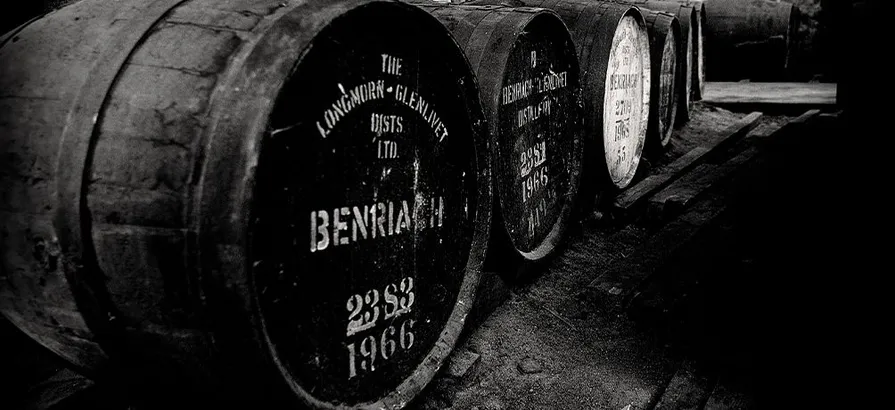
687,18
613,53
527,71
244,195
751,39
665,45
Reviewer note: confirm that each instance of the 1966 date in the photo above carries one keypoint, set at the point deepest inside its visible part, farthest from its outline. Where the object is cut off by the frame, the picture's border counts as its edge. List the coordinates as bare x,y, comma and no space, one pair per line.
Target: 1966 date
384,346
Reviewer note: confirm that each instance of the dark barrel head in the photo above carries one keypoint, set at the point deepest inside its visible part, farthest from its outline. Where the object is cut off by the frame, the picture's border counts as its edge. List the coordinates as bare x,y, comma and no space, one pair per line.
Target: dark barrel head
537,130
371,205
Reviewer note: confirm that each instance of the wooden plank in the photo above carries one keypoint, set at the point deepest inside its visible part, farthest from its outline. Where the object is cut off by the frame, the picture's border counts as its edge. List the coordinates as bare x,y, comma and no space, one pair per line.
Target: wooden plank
771,98
821,94
648,186
678,195
54,391
460,362
687,390
675,196
615,287
724,398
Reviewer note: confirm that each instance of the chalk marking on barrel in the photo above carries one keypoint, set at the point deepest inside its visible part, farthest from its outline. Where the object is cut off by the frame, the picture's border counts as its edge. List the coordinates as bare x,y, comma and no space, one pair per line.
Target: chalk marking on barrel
398,301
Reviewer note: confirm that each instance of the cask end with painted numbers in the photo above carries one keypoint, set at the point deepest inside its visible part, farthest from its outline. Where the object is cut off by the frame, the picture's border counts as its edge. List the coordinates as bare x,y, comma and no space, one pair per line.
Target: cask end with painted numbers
613,55
527,71
243,200
689,51
665,43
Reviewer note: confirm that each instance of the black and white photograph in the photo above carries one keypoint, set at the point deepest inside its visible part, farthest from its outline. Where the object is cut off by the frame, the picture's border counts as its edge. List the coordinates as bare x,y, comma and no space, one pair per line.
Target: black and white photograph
443,204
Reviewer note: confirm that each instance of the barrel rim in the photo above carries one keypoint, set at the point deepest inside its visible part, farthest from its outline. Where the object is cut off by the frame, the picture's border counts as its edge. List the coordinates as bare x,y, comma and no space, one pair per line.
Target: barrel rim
260,107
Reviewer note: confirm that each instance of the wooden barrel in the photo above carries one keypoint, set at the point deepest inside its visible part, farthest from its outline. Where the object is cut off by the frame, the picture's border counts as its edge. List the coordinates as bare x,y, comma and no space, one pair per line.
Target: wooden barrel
527,72
699,35
751,39
687,18
235,210
665,44
613,53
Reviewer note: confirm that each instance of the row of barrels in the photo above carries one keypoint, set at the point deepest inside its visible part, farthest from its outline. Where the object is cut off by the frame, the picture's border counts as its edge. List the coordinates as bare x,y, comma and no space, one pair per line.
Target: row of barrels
231,199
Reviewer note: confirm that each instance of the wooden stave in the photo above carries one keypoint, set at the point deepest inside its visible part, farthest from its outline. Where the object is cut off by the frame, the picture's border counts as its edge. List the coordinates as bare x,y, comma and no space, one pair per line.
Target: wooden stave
104,323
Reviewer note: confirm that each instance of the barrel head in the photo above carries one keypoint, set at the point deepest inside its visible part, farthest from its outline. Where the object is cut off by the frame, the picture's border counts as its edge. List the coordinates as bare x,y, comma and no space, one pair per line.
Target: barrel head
626,103
370,209
538,136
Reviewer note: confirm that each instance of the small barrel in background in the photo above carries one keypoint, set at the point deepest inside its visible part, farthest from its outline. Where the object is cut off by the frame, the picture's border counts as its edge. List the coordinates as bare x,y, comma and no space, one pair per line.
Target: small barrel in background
613,52
665,44
751,39
527,71
196,191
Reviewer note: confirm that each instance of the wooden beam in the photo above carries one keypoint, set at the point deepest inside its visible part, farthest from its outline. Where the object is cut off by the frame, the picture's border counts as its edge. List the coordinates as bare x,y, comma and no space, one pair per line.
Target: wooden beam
687,390
638,192
676,196
615,287
56,390
771,97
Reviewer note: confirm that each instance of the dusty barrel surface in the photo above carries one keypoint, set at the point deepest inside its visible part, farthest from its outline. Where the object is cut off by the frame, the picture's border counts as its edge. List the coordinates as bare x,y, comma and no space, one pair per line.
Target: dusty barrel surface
665,45
699,36
245,191
527,71
688,57
613,53
752,39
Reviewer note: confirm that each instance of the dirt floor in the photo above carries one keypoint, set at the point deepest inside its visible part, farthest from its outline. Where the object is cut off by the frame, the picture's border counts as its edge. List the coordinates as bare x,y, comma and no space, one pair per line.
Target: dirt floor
550,347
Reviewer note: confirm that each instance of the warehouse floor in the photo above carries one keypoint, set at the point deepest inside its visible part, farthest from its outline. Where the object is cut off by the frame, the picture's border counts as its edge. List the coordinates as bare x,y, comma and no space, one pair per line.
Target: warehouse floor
726,322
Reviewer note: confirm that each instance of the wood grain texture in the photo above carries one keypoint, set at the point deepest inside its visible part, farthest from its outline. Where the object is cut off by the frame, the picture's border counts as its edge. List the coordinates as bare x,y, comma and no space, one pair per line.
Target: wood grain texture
687,390
141,169
638,192
771,97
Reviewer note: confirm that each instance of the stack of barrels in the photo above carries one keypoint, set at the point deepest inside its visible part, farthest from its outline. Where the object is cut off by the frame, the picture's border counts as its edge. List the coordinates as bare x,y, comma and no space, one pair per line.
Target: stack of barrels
293,201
